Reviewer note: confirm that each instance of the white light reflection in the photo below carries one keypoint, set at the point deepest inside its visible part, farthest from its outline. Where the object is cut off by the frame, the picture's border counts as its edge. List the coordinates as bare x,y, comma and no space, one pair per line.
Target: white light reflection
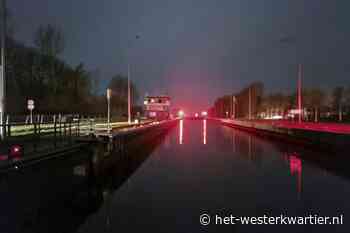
181,132
204,132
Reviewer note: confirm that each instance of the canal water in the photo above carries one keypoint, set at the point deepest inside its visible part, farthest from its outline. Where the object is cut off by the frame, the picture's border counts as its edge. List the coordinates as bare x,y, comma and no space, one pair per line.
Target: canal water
201,167
163,181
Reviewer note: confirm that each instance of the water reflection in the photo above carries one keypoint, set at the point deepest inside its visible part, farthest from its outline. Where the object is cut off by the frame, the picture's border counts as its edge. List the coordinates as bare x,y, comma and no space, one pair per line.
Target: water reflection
181,129
204,131
58,195
295,168
189,123
252,147
235,173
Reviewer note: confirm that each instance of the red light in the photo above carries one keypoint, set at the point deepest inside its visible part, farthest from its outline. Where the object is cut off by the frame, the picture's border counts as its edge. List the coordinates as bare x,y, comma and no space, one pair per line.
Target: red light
16,151
196,115
4,157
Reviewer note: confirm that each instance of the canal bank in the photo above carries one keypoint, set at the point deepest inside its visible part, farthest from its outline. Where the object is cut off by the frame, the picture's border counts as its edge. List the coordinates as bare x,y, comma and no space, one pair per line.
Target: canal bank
100,143
56,192
331,136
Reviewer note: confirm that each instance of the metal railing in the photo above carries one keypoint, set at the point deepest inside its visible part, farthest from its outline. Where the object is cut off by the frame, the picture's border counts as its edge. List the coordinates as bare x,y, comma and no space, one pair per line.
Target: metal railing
40,136
73,127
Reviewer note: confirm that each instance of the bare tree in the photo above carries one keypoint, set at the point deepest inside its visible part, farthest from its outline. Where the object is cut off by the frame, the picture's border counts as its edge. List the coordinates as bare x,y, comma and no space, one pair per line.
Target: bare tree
95,77
338,101
50,42
10,23
49,39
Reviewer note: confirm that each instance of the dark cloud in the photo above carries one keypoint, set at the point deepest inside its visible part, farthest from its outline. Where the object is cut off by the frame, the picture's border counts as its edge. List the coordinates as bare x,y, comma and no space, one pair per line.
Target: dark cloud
196,50
287,39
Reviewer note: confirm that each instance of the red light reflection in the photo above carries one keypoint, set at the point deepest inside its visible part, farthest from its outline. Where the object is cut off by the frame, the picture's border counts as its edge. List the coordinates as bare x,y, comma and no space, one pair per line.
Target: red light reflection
204,132
295,167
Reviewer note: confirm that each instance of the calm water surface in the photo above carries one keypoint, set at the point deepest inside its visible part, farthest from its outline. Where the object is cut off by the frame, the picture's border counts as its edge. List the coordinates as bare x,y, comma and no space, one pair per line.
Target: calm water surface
202,167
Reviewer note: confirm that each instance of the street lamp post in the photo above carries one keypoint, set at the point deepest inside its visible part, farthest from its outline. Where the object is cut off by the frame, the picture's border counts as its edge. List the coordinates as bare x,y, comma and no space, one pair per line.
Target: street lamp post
108,110
2,78
233,106
129,96
129,86
300,74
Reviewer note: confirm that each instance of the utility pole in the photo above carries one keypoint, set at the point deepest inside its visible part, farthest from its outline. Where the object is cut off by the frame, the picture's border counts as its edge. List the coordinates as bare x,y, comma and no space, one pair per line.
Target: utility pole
129,87
250,103
233,107
2,78
129,96
300,73
108,110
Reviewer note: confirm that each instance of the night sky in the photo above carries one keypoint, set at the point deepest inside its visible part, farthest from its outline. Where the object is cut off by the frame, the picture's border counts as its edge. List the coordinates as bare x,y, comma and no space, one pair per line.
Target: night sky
197,50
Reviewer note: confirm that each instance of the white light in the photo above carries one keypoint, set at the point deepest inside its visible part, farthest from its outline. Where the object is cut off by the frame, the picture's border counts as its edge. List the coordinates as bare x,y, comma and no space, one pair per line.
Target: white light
277,117
145,102
109,93
181,113
204,113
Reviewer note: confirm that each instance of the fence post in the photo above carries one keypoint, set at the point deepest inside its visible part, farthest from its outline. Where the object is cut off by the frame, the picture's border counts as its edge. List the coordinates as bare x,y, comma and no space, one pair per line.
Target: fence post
39,129
60,125
78,132
55,130
8,126
34,129
70,131
64,128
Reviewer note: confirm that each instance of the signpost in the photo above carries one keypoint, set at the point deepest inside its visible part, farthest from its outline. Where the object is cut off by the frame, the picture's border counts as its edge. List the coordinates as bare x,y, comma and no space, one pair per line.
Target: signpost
30,106
109,110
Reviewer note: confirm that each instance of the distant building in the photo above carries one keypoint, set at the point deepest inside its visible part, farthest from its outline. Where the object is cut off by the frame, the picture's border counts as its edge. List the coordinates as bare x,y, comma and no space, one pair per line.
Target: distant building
157,107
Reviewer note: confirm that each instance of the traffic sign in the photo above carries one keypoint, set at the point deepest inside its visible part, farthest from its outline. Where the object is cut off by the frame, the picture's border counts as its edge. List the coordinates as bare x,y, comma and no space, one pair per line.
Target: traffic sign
30,104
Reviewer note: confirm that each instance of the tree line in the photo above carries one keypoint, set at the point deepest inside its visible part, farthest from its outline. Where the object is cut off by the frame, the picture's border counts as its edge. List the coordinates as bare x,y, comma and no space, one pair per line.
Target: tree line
331,104
37,72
